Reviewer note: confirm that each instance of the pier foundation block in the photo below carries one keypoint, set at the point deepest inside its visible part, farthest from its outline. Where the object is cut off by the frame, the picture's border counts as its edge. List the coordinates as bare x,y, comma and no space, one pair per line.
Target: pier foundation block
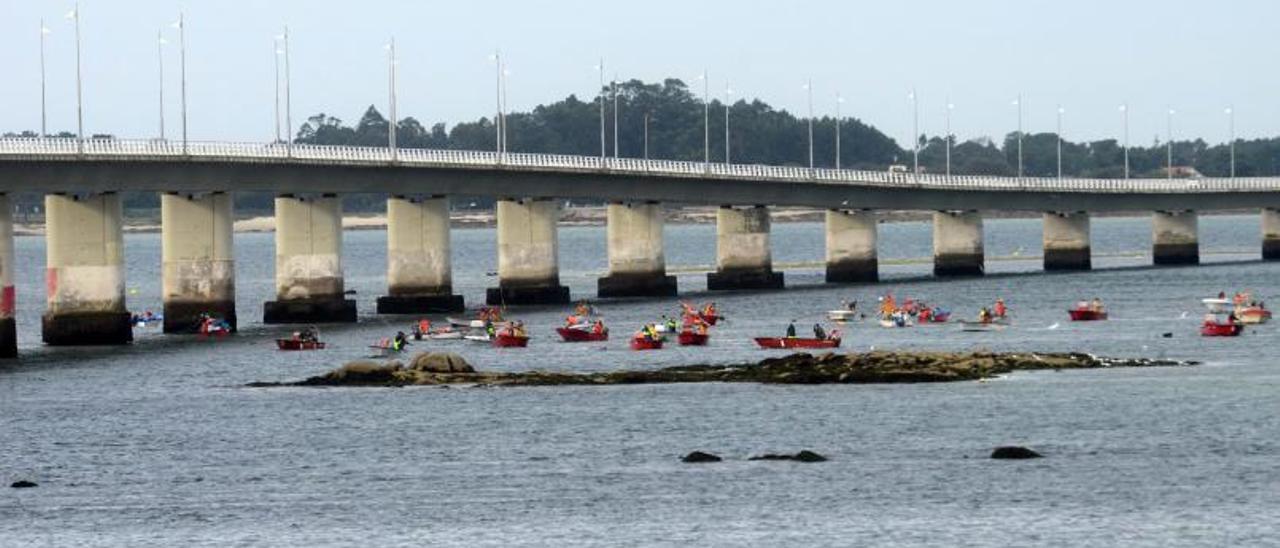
637,263
528,254
419,272
957,243
1066,241
743,256
851,247
309,279
84,278
1175,238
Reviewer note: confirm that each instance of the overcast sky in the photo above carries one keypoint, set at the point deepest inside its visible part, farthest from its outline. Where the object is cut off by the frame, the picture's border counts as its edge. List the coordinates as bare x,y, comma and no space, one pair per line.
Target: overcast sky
1195,57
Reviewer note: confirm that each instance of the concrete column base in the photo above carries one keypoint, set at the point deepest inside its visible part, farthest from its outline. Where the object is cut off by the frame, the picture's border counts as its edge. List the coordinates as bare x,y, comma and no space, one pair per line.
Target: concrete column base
420,304
526,295
309,311
744,279
1175,254
1271,250
853,271
87,329
958,265
184,317
1068,259
636,285
8,338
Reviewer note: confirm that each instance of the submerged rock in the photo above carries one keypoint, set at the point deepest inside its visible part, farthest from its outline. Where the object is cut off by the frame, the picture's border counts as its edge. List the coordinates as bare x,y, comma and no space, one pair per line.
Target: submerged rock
803,456
699,457
22,484
1014,452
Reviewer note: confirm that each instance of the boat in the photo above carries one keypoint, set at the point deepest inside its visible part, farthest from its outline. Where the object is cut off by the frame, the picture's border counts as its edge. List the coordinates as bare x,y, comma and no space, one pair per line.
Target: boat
796,342
478,337
214,328
690,338
298,344
1216,326
842,315
510,340
710,319
1217,305
444,335
1087,315
582,333
1252,315
643,343
979,327
938,316
896,321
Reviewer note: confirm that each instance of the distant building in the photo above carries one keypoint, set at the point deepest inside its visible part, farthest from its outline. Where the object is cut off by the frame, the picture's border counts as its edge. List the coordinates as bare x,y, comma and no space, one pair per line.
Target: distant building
1183,172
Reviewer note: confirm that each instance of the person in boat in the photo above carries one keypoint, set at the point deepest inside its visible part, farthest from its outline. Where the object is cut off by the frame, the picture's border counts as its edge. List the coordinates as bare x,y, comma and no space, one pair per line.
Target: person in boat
834,334
709,311
598,327
925,314
572,320
399,341
1000,309
490,330
518,329
791,330
1096,305
672,325
306,334
818,332
984,315
852,306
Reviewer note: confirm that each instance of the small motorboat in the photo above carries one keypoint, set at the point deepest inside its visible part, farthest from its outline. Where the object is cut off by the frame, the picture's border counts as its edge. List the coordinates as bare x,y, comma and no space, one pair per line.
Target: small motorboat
690,338
510,340
938,316
841,316
1253,315
582,333
479,337
299,344
897,320
645,343
1214,327
1087,315
1217,305
444,335
796,342
979,327
385,347
211,327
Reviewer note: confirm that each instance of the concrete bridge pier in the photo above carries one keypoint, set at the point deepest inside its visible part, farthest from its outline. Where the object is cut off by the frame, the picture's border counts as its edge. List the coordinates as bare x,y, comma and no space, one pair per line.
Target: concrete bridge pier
851,247
8,329
1066,241
1270,234
957,243
309,286
528,254
1175,238
198,265
84,278
743,256
637,263
419,275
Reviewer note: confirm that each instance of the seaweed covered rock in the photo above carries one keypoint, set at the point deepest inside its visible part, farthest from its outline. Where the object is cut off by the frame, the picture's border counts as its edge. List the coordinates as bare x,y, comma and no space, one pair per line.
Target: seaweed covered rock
440,362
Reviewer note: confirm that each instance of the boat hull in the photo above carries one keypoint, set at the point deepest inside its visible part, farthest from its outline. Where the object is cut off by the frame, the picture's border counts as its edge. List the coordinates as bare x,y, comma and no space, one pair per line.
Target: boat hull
293,344
1087,315
510,341
646,344
689,338
796,342
581,335
1209,329
1253,315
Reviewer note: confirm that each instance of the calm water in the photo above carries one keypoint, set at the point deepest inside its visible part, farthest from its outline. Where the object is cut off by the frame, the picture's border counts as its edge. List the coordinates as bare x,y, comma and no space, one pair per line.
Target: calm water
155,445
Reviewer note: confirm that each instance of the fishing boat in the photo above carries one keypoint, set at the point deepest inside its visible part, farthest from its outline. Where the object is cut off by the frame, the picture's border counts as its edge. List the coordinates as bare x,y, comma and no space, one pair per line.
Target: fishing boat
897,320
690,338
214,328
645,343
299,344
936,316
510,340
1218,325
1087,315
1253,315
842,316
582,333
796,342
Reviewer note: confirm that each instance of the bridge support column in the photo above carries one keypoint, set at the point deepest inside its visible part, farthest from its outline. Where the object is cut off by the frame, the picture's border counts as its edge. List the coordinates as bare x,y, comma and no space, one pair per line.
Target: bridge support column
1175,238
528,254
1271,234
637,264
1066,241
957,243
743,256
8,329
309,287
419,275
199,268
84,278
851,247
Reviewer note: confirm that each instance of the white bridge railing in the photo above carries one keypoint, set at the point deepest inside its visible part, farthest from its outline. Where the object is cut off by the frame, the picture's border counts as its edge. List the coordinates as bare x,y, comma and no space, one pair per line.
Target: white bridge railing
28,149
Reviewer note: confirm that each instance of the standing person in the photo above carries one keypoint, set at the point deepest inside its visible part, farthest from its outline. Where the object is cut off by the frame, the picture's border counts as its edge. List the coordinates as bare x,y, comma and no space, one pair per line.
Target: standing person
791,330
818,332
1000,308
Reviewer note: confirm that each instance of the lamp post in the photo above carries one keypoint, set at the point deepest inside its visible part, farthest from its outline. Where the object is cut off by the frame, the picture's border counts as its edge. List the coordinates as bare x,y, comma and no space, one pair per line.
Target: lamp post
182,68
614,87
646,135
915,134
275,57
497,101
44,129
288,96
1169,142
808,87
839,101
727,92
391,96
1231,129
1061,111
1017,103
74,15
706,122
600,69
950,107
160,42
1124,112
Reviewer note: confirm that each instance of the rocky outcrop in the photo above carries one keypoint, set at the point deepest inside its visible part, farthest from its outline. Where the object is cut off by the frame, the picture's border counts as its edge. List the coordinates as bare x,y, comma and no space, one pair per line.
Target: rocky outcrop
700,457
22,484
1014,452
829,368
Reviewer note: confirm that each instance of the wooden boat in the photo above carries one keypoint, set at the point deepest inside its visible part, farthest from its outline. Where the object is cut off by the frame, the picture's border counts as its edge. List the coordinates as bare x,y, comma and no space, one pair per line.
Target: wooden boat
1213,328
510,340
582,334
796,342
1253,315
641,343
298,344
689,338
1087,315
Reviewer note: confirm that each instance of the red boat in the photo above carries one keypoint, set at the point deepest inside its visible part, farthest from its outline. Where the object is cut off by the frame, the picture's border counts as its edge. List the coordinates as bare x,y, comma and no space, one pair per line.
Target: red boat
573,334
508,340
641,343
1215,329
1087,315
298,344
710,319
689,338
796,342
939,316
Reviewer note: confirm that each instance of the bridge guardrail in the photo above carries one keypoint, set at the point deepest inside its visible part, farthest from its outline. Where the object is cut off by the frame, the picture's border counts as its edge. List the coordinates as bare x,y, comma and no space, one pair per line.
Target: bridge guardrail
143,150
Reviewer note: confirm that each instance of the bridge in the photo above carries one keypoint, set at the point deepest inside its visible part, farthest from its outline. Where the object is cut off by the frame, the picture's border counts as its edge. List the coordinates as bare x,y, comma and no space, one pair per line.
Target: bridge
85,276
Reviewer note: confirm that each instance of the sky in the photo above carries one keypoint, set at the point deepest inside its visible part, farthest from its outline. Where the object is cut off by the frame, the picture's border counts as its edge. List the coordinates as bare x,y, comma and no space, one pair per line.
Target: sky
1089,56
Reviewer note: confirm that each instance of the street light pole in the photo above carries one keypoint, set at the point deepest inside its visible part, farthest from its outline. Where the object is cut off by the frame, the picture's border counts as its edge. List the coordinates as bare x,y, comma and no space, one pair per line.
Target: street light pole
75,15
497,101
646,135
727,92
600,68
182,67
288,97
614,86
706,122
1018,103
915,134
1060,112
950,107
275,57
1231,127
391,86
1169,143
809,88
1124,111
839,101
160,42
44,128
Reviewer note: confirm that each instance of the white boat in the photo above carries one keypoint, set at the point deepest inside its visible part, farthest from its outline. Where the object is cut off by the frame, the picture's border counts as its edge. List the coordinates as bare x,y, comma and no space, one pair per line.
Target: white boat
894,323
445,335
1217,306
484,338
842,315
